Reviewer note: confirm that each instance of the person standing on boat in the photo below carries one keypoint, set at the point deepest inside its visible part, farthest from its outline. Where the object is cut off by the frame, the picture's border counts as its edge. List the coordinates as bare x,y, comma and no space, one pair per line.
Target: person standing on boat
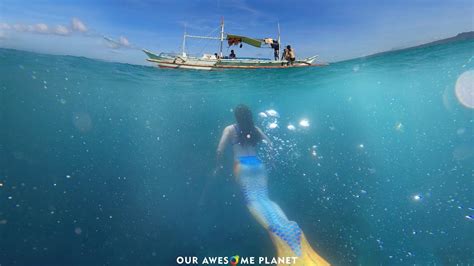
232,54
276,49
251,175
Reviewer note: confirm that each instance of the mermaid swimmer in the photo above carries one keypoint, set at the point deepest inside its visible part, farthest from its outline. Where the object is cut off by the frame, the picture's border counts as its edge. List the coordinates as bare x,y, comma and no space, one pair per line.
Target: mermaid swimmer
250,173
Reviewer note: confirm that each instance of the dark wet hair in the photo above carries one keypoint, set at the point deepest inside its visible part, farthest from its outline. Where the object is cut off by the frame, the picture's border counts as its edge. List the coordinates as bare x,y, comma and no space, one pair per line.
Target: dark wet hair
288,47
247,133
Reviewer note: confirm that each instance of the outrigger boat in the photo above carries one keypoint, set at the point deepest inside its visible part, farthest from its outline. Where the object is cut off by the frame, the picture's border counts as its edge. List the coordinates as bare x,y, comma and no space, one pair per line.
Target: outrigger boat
211,61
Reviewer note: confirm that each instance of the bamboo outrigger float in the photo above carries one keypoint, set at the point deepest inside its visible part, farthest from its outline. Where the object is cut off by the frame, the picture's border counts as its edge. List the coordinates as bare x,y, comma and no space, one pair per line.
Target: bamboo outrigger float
211,61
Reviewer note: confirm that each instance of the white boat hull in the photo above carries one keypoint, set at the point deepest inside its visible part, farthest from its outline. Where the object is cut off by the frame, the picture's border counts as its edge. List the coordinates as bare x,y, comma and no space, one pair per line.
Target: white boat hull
208,63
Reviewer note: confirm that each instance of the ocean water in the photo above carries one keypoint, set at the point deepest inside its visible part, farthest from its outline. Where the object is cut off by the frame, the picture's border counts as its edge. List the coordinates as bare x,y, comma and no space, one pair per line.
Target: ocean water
109,164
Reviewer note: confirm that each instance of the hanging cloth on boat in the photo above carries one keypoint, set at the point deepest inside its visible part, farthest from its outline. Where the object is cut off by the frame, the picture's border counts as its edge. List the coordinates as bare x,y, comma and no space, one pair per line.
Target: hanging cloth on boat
236,39
233,41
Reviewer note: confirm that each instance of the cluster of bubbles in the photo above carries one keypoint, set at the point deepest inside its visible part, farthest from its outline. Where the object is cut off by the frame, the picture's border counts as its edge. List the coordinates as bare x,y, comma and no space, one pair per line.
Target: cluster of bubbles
284,148
270,118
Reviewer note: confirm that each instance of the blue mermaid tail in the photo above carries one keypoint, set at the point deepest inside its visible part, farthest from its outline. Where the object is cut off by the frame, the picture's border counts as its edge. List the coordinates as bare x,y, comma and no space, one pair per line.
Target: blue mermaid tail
286,235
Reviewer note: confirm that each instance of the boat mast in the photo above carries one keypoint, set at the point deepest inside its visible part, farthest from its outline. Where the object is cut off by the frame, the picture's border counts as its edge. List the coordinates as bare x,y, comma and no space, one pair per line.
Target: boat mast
222,36
278,32
184,41
279,43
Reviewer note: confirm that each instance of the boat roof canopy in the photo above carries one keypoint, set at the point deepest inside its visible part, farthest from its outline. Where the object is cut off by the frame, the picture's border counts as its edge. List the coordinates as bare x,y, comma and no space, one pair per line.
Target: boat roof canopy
236,39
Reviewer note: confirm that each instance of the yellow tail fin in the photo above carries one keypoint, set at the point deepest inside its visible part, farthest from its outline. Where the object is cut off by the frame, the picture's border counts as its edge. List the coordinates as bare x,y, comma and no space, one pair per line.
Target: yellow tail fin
308,257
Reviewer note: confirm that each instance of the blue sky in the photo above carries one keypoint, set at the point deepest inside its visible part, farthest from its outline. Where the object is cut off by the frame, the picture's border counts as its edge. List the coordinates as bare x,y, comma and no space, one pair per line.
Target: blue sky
334,29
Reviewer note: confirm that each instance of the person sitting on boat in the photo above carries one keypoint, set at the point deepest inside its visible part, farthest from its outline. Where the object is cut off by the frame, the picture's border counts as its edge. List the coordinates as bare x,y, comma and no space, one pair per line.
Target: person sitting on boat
290,55
216,55
232,54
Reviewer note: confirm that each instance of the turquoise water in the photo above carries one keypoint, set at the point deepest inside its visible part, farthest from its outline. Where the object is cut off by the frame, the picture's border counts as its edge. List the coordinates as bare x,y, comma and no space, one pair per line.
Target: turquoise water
109,164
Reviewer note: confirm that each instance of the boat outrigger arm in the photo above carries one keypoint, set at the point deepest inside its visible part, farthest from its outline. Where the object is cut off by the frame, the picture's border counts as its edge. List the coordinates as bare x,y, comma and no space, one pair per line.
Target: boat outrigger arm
211,61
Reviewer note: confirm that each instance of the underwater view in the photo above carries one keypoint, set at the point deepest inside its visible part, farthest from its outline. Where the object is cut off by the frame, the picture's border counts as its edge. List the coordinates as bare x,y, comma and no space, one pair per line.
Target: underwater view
111,164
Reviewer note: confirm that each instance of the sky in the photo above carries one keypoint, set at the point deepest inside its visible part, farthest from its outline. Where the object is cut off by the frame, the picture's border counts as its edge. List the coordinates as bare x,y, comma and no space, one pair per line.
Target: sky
117,30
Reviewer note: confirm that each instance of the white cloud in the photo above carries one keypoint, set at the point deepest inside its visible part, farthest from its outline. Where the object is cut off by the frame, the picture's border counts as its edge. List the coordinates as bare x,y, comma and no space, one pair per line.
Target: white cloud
4,26
124,41
41,28
37,28
3,35
61,30
20,27
78,25
112,44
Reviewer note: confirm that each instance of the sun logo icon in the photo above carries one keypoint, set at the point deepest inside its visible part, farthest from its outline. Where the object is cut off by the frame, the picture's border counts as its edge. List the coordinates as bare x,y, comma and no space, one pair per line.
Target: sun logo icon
234,260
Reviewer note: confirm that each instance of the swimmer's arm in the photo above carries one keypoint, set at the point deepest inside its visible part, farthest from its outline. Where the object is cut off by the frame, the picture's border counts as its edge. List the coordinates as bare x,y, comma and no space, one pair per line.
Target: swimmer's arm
224,140
221,148
264,137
